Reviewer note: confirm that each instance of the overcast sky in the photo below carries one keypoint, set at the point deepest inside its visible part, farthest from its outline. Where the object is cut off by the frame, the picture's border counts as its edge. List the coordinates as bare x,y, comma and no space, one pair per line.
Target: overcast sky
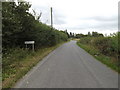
80,16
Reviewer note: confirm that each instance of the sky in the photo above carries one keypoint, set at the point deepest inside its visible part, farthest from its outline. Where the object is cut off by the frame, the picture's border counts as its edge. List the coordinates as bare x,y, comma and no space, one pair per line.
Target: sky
79,16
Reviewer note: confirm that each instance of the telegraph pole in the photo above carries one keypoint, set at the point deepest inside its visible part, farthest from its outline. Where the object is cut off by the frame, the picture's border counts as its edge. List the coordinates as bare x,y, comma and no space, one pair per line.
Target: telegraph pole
51,18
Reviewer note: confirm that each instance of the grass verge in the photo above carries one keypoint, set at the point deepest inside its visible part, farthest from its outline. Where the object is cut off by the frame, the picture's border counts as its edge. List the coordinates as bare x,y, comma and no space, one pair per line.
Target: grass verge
16,70
107,60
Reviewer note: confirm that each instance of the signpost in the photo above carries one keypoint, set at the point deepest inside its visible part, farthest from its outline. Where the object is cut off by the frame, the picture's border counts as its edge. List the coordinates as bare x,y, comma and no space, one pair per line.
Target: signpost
30,42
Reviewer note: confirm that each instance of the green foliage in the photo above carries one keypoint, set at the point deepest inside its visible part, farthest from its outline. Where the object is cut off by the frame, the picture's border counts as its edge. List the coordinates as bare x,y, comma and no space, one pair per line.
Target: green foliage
110,61
93,34
96,34
103,44
106,45
114,42
20,25
105,49
17,62
80,35
10,58
86,40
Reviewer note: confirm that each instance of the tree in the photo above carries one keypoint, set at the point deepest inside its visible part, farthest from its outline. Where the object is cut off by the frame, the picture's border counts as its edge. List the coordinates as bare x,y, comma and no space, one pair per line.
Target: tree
20,25
17,23
80,35
10,23
67,33
37,16
96,34
89,34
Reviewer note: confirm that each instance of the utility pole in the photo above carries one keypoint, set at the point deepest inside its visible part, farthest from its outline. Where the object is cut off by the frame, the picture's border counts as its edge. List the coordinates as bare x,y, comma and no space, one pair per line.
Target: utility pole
51,18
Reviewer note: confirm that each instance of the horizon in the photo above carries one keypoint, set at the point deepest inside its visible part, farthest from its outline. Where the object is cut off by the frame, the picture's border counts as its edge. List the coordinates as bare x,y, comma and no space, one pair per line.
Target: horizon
80,16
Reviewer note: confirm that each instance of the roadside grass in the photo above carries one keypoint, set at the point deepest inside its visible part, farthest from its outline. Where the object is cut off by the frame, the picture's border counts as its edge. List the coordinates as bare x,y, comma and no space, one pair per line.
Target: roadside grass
19,62
107,60
76,39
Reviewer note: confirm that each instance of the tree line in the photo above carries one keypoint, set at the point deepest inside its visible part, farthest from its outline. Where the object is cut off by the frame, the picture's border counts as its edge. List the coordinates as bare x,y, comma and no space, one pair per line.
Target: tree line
19,25
93,34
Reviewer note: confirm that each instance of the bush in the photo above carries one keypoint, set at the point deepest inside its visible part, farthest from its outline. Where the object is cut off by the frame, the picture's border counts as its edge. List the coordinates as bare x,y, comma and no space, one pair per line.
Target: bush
103,44
86,40
14,55
105,49
20,25
106,45
11,57
114,47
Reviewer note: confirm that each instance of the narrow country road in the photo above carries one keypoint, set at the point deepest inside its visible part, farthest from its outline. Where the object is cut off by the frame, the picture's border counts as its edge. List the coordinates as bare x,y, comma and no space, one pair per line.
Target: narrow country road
69,67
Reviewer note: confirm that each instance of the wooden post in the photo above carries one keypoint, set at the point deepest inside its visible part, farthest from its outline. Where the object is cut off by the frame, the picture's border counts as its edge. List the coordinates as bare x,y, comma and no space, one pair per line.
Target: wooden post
33,47
26,46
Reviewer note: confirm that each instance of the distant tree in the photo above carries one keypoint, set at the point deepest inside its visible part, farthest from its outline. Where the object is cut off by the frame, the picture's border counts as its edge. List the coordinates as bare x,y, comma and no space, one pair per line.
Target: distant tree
89,34
96,34
73,35
80,35
101,35
67,33
70,34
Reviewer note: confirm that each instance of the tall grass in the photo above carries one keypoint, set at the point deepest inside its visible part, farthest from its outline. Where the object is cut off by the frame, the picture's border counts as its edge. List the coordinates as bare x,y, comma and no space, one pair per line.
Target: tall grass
105,49
17,62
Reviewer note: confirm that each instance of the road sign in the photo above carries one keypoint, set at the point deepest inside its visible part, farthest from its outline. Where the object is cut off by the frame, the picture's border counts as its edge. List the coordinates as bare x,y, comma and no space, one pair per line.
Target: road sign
30,42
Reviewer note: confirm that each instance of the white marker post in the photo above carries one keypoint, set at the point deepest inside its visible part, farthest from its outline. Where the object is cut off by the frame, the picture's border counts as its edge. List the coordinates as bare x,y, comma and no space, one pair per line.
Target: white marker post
30,42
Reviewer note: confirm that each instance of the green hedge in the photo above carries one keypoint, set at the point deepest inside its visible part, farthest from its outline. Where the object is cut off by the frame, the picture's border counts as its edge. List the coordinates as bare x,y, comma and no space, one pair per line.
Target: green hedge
106,45
19,25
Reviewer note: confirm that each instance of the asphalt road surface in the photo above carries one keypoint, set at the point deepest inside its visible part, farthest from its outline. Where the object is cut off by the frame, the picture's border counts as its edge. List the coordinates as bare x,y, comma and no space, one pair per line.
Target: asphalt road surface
69,66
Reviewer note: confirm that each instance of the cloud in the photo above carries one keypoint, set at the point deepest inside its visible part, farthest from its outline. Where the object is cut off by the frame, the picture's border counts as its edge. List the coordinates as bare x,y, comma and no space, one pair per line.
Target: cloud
58,18
102,18
97,22
79,15
106,19
103,23
109,25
